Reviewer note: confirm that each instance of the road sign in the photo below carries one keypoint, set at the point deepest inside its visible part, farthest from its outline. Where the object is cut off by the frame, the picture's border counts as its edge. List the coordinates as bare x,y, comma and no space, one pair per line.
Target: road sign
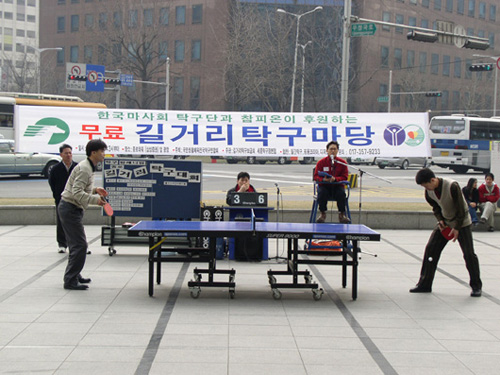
78,70
127,80
459,41
363,29
95,76
383,99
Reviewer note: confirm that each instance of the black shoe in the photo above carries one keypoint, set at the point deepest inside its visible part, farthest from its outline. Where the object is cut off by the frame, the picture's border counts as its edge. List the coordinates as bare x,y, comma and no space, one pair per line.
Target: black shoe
76,286
83,280
420,289
89,252
475,293
491,229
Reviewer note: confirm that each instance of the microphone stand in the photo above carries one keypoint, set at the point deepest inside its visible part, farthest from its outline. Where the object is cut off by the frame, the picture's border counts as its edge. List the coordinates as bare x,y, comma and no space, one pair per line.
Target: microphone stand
278,193
361,173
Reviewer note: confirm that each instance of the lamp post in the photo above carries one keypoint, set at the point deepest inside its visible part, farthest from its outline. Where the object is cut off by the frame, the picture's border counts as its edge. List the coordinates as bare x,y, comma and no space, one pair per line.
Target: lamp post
496,58
303,46
298,17
38,63
167,84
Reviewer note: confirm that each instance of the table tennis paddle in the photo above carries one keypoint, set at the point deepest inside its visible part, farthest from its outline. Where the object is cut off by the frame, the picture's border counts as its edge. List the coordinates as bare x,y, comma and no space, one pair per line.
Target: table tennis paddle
447,233
107,208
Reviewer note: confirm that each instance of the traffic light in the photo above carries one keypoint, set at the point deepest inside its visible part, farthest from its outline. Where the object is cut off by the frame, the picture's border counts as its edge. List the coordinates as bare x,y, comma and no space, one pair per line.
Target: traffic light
476,44
74,77
422,36
433,94
112,81
481,67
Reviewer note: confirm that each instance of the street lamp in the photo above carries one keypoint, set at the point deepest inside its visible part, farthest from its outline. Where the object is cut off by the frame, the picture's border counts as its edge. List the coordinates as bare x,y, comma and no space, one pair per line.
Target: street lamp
303,46
298,16
496,58
38,63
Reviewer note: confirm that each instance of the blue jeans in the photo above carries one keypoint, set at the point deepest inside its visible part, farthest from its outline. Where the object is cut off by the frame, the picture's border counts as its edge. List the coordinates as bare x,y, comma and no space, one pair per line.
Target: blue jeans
473,214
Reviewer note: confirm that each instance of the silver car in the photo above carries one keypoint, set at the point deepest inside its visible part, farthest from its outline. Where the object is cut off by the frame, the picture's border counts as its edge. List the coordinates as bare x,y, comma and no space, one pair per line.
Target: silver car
403,162
24,163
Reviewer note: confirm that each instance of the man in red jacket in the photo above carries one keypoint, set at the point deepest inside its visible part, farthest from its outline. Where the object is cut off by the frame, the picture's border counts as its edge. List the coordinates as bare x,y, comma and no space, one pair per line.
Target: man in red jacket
333,172
488,197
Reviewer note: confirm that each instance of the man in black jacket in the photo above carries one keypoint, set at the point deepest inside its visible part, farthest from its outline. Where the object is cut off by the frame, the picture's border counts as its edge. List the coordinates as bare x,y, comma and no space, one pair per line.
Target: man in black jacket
58,176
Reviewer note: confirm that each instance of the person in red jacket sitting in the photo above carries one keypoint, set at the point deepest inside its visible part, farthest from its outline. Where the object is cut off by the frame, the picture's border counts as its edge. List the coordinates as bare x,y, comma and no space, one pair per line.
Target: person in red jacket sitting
488,197
242,186
333,172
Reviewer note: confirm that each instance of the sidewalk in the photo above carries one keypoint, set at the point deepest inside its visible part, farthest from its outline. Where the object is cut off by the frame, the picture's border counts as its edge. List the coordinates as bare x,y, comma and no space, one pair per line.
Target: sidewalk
115,328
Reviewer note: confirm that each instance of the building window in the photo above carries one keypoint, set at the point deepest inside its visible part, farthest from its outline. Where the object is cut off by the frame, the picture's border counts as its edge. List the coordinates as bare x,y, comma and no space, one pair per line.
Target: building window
460,6
132,18
434,63
386,17
61,24
164,16
101,55
179,50
482,11
89,21
194,93
470,31
31,34
20,17
468,73
456,100
75,22
384,56
457,68
446,66
19,47
180,15
87,54
422,62
491,37
8,15
424,23
425,3
398,58
382,89
414,2
410,59
32,3
400,19
197,13
163,51
31,18
493,12
103,21
117,20
196,50
445,98
20,33
412,21
396,99
73,54
178,93
60,56
449,6
437,4
116,52
472,8
75,1
148,17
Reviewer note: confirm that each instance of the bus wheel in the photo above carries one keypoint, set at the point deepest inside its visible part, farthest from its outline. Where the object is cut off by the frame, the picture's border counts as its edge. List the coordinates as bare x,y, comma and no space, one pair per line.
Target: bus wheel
460,170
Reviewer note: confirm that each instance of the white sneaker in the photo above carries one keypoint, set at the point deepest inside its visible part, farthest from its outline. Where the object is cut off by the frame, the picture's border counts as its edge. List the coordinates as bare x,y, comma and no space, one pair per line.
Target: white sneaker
61,250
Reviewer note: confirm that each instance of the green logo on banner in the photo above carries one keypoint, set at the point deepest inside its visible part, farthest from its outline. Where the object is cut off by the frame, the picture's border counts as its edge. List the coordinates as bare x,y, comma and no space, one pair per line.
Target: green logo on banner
56,128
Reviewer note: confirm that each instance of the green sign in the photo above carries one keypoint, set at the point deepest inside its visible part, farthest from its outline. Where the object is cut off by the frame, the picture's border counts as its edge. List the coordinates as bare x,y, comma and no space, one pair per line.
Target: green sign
363,29
383,99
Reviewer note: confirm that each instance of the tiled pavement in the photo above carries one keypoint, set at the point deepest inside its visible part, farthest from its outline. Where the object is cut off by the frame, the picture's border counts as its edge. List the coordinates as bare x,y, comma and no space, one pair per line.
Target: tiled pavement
116,328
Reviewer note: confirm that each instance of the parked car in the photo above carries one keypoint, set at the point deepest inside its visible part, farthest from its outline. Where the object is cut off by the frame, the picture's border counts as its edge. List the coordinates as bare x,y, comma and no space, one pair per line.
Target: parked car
361,160
264,159
403,162
24,163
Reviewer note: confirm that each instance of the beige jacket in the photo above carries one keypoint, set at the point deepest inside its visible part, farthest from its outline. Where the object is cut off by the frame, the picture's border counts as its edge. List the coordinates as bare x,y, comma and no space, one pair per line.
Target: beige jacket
79,189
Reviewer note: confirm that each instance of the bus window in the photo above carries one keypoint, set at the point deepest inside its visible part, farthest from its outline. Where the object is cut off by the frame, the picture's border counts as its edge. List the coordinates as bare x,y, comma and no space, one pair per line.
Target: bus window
447,126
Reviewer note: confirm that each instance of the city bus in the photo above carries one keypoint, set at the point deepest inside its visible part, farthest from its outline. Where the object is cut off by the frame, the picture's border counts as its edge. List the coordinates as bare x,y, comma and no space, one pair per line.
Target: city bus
461,142
8,101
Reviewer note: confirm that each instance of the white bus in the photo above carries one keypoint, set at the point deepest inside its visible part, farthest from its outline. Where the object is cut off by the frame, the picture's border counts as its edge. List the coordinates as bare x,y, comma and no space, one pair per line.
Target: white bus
461,142
8,100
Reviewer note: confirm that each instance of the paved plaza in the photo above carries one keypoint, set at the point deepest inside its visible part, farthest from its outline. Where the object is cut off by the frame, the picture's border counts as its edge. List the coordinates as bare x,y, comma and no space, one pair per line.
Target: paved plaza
116,328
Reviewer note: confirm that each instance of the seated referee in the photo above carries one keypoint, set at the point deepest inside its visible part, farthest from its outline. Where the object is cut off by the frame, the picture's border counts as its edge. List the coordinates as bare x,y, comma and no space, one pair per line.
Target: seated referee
242,186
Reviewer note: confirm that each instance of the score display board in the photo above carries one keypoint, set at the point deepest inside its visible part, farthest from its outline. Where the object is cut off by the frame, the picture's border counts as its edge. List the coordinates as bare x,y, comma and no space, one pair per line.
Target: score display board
160,189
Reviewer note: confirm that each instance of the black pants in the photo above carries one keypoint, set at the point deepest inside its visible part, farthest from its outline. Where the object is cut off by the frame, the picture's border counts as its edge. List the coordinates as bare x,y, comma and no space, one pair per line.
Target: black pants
332,191
72,222
60,236
434,249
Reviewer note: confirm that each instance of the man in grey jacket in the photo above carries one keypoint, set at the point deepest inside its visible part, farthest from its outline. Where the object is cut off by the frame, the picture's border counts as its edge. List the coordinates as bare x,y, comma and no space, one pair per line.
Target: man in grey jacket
450,209
78,193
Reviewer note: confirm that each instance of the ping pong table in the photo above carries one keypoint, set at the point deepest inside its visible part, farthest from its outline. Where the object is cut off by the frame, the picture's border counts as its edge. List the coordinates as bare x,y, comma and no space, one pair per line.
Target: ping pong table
348,234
